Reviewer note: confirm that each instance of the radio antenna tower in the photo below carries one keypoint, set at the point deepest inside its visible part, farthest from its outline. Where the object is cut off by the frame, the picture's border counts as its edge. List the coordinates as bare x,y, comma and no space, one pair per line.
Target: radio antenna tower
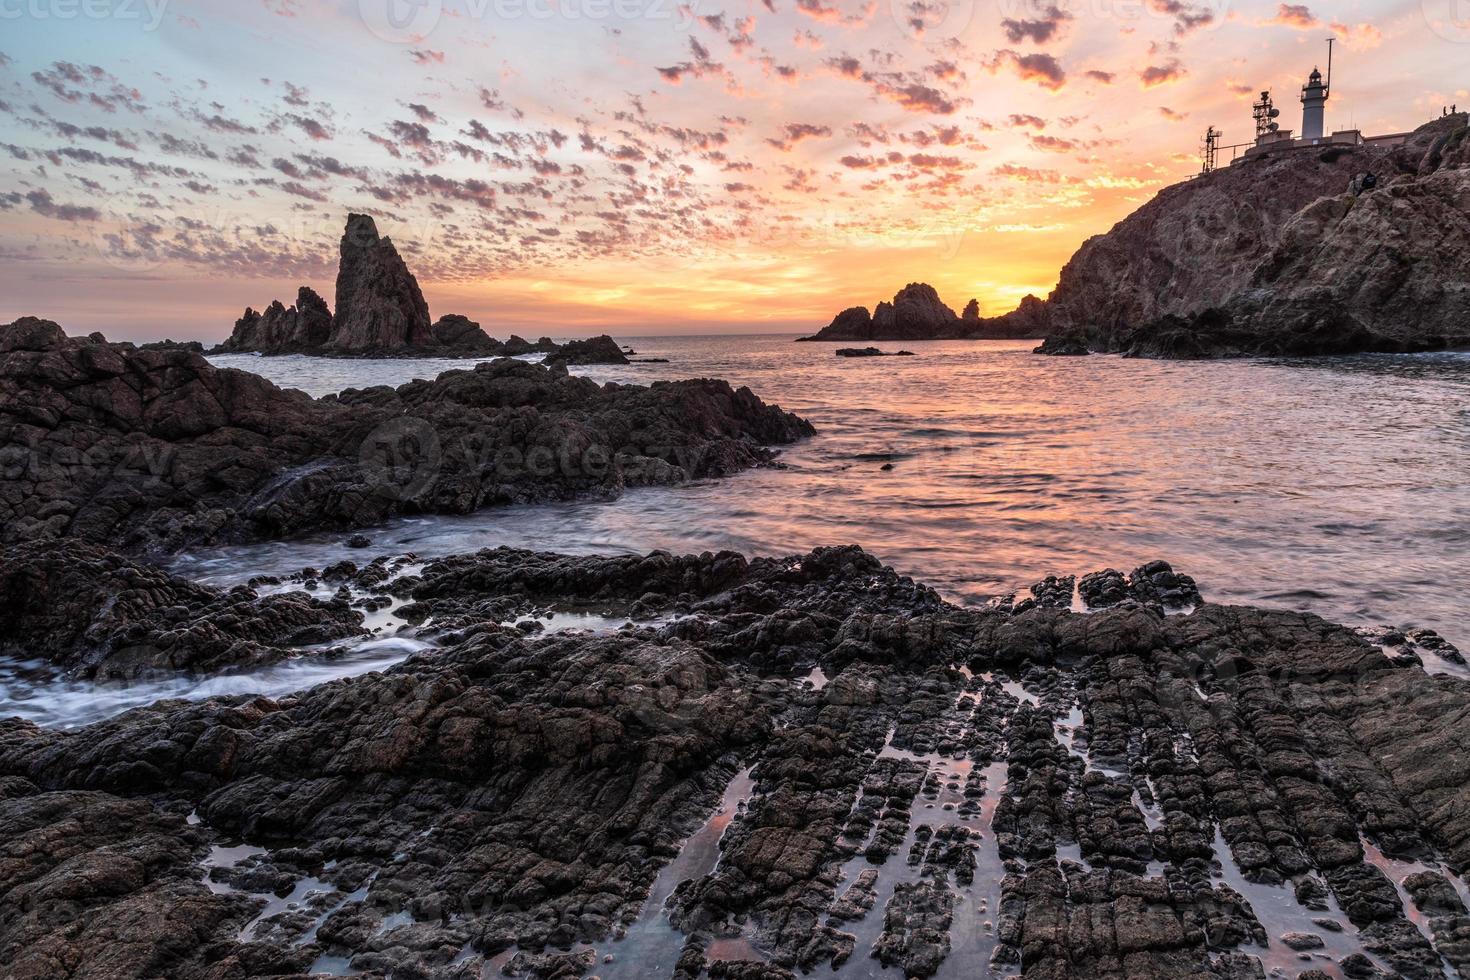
1265,114
1209,150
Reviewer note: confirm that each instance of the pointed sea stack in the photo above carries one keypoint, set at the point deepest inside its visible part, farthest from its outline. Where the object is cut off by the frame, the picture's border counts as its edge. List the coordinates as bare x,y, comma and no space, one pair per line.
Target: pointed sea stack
379,304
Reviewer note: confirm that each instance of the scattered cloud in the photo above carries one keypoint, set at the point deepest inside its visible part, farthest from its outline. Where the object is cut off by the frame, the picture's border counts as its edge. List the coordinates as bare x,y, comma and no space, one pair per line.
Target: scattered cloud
1163,74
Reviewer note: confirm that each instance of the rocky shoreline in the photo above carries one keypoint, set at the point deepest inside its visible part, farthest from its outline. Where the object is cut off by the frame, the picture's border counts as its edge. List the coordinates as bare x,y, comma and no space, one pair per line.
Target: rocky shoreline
1154,787
155,450
527,764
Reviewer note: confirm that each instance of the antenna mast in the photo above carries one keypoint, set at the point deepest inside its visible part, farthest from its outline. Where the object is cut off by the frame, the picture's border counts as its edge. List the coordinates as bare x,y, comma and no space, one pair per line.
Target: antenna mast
1265,114
1209,150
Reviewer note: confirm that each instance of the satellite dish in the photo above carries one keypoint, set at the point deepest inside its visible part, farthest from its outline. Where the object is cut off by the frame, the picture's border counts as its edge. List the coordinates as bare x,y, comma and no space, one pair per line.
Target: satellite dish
1275,126
1275,113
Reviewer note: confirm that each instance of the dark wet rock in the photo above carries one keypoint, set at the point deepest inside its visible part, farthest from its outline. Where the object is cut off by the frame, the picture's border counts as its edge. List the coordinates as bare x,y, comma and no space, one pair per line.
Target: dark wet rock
1052,592
1065,345
359,541
871,352
916,924
1449,921
1302,941
97,614
157,449
1101,590
1156,584
193,346
598,350
112,887
1430,640
461,334
518,792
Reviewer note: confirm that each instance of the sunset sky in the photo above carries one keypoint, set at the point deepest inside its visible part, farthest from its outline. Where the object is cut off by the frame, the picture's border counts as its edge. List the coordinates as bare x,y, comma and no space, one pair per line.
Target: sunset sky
639,166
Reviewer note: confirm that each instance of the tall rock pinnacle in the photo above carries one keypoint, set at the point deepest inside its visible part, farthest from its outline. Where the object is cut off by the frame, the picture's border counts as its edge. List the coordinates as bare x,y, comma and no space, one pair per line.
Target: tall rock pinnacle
379,305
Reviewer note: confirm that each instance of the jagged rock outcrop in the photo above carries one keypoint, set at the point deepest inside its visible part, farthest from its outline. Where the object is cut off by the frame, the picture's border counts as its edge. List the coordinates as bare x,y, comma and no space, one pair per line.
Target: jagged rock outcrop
1276,255
381,312
379,304
917,313
297,329
158,449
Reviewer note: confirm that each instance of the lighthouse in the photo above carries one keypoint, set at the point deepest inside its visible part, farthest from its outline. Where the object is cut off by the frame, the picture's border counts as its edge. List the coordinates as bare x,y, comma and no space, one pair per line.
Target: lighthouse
1314,106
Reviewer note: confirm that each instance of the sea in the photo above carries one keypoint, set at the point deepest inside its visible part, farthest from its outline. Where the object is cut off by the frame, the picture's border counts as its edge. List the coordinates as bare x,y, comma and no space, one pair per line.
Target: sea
1336,485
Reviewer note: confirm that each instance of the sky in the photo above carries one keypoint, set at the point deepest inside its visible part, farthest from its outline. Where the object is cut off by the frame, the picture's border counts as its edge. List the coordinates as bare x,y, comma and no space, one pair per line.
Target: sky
565,167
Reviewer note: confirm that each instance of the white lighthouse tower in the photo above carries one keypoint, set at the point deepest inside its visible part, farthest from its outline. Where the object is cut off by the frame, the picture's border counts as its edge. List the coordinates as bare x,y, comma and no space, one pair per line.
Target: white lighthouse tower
1314,106
1314,100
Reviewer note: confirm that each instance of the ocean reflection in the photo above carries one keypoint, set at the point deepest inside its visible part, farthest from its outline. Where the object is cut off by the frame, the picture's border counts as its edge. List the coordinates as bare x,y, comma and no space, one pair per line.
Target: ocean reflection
1335,485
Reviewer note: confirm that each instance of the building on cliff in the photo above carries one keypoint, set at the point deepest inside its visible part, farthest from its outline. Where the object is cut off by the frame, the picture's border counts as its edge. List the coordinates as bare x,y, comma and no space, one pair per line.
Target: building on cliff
1271,137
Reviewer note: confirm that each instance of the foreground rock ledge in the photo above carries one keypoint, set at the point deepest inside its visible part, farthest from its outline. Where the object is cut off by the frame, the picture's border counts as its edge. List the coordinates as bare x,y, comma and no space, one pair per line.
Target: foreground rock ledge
1022,785
153,450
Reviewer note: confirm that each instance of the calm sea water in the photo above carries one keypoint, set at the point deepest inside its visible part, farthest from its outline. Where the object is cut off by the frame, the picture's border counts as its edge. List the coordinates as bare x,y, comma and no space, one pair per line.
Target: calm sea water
1336,485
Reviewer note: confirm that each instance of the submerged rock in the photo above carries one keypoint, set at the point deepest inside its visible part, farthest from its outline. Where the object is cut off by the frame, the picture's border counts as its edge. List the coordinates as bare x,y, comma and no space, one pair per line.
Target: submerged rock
871,352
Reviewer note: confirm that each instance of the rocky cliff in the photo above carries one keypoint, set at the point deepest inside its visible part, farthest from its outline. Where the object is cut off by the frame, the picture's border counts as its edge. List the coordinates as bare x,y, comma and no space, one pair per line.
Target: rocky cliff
155,450
1276,255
